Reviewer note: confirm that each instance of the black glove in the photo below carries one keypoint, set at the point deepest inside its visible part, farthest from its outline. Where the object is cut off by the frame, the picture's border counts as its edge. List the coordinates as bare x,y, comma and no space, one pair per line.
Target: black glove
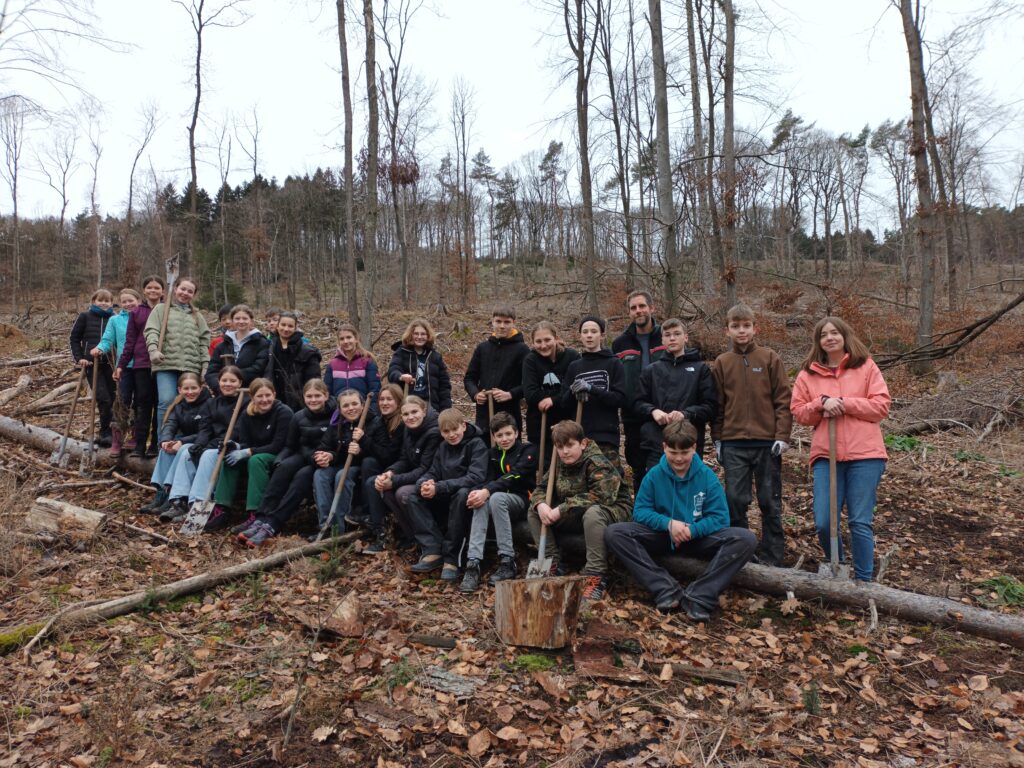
195,451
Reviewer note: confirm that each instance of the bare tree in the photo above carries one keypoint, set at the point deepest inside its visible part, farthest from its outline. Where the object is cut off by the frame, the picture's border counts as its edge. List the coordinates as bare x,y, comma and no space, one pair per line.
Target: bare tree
14,111
699,150
203,16
132,264
350,238
93,112
57,166
372,154
729,215
462,115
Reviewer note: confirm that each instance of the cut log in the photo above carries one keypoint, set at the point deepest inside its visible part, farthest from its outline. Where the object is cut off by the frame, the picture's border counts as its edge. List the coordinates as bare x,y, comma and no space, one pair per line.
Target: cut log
906,606
23,361
52,516
77,616
23,383
346,620
47,440
540,613
49,397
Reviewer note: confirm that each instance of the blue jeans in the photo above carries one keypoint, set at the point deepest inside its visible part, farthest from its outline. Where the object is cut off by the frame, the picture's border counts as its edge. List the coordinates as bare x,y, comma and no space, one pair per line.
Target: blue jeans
325,482
857,485
166,391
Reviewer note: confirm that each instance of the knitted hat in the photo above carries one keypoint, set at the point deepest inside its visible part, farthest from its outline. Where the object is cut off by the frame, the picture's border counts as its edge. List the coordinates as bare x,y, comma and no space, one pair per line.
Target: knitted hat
591,319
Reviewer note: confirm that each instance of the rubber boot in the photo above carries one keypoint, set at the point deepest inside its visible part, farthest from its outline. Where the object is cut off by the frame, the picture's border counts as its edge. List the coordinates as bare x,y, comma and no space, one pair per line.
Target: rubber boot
115,442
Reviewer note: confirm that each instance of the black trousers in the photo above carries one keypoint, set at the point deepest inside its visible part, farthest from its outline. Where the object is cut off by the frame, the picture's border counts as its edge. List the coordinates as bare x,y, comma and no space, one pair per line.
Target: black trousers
440,525
290,484
743,465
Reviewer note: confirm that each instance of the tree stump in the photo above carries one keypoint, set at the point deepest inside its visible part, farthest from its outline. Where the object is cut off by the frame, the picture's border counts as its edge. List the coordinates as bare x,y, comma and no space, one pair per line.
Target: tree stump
540,613
65,519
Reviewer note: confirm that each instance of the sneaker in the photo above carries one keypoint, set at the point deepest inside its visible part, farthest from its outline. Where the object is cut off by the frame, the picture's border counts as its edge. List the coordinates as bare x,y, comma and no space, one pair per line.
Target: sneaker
450,572
427,564
594,589
245,525
176,510
376,546
243,536
218,520
471,578
507,569
258,534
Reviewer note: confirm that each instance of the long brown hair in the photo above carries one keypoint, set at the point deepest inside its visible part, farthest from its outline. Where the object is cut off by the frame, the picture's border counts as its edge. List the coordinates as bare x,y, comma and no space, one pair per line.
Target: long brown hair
852,345
394,421
423,323
179,397
360,350
545,325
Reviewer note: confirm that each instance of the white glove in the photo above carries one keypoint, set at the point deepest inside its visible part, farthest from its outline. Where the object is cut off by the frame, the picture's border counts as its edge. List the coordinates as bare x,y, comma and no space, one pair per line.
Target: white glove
779,447
718,450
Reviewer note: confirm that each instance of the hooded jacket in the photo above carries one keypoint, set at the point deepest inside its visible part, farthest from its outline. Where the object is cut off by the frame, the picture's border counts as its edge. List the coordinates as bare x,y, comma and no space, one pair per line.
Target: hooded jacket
436,379
264,432
866,398
696,499
753,395
592,480
373,443
185,419
186,340
460,466
681,383
512,471
112,342
290,368
603,370
306,430
88,330
628,349
359,373
216,418
250,354
543,378
418,448
135,354
497,363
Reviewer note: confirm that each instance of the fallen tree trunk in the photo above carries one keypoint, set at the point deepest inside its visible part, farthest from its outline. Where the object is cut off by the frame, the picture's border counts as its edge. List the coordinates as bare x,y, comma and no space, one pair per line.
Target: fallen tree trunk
23,361
44,439
93,612
59,517
906,606
20,386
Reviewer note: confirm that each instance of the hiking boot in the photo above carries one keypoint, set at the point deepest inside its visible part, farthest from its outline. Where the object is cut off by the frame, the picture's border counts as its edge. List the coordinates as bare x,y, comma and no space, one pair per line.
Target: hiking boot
157,502
376,546
427,564
153,451
244,526
218,520
258,534
695,611
471,578
450,572
176,510
594,589
507,569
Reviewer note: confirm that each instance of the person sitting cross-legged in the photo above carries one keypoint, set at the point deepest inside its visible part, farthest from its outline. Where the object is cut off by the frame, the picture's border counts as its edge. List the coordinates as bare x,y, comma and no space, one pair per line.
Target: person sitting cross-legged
681,508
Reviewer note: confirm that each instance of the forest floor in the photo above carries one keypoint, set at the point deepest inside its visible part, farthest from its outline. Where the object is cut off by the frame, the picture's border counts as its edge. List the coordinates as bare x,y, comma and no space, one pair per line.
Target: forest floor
213,679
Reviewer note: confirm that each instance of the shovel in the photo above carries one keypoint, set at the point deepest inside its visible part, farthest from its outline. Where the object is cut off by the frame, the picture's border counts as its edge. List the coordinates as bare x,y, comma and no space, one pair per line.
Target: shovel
490,415
539,568
833,568
59,458
89,459
344,476
543,439
199,513
171,265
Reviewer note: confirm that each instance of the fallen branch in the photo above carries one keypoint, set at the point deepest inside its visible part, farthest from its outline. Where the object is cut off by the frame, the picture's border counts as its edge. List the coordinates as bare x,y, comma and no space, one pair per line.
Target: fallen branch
434,641
141,531
127,480
712,675
906,606
23,361
88,613
50,397
47,440
23,383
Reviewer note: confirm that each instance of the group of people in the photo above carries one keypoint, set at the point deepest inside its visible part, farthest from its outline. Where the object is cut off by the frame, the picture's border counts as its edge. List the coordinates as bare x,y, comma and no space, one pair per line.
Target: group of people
380,452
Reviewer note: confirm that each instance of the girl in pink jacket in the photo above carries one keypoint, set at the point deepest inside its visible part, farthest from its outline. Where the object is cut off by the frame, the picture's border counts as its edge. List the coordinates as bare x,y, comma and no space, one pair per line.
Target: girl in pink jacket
840,381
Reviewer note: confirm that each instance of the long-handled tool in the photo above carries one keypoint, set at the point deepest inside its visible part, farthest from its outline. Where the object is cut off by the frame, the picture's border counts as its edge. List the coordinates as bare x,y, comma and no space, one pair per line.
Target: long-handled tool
171,265
340,487
199,513
490,414
833,568
60,456
89,459
543,440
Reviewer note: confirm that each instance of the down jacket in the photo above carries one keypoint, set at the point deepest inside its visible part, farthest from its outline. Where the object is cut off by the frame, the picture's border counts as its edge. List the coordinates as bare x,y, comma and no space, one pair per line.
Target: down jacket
186,340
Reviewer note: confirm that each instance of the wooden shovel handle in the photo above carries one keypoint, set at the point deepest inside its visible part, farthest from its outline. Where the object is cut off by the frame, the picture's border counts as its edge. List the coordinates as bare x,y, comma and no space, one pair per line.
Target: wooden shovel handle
167,314
344,474
224,444
543,439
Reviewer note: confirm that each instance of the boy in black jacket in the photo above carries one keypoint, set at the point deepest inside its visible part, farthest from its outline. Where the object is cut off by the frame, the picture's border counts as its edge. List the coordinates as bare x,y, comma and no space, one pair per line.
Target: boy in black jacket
599,380
497,368
511,477
678,387
459,465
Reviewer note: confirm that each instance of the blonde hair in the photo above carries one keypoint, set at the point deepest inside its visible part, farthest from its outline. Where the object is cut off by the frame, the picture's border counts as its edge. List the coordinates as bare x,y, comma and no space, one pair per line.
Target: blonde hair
423,323
449,419
394,421
131,292
256,386
545,325
360,350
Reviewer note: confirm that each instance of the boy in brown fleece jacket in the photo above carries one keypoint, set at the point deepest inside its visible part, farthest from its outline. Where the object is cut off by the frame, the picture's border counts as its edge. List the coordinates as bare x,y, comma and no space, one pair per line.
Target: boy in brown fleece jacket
751,430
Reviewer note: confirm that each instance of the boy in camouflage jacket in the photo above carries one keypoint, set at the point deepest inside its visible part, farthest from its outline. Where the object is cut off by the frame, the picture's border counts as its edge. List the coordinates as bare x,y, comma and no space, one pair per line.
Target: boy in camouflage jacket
589,495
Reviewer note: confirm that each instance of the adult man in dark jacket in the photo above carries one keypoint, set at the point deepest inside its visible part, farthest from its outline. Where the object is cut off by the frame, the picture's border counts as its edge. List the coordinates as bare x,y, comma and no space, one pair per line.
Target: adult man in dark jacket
637,347
679,387
497,368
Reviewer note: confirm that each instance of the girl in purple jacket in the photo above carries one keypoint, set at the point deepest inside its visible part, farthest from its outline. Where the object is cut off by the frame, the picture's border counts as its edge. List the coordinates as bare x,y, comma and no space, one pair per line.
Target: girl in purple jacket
140,376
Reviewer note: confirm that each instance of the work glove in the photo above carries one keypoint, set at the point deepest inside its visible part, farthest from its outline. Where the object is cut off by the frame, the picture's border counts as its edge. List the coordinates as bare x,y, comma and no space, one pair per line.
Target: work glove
779,447
195,451
156,356
236,456
580,386
718,450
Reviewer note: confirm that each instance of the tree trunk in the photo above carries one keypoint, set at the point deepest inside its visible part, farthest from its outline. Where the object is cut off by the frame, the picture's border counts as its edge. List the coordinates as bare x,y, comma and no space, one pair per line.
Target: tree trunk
350,237
666,216
43,439
729,214
540,613
59,517
372,151
704,267
926,222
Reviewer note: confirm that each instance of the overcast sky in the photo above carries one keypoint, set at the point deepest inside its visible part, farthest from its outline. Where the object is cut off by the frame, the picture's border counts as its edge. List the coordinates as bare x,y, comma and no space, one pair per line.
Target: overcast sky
838,63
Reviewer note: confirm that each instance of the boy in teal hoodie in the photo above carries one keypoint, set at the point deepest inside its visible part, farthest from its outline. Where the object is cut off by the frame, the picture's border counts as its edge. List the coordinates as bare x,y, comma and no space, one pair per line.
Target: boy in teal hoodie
680,508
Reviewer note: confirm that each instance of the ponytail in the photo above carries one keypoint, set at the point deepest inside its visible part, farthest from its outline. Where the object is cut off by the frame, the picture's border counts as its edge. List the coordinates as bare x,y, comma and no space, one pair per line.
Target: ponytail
179,397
